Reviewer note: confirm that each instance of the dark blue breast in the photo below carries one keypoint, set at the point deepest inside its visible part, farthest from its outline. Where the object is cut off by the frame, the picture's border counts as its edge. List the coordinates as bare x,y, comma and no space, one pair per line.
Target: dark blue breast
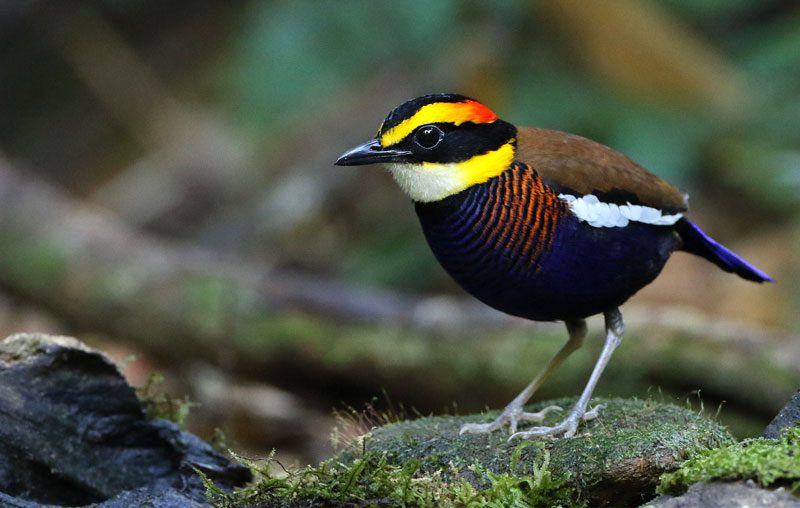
515,246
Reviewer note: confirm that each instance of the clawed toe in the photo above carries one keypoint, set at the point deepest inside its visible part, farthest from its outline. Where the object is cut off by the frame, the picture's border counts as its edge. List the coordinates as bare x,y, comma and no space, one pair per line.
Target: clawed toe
537,416
592,413
478,428
566,428
511,416
486,428
513,413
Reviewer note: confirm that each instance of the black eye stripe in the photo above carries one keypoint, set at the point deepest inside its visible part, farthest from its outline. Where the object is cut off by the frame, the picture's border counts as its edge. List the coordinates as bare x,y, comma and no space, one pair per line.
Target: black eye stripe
459,142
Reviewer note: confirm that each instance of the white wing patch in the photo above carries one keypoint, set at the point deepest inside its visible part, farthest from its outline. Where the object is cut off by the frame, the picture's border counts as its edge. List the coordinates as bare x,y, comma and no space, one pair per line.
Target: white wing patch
609,215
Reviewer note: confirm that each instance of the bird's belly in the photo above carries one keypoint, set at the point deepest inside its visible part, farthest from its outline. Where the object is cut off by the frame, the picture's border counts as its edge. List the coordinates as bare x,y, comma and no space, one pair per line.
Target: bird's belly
584,270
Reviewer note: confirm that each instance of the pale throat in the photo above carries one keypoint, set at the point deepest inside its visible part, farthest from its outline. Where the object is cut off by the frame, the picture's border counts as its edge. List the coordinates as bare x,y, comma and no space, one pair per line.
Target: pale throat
431,181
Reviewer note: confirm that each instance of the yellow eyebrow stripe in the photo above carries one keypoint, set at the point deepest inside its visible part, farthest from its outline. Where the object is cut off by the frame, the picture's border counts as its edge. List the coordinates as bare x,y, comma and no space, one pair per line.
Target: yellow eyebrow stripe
450,112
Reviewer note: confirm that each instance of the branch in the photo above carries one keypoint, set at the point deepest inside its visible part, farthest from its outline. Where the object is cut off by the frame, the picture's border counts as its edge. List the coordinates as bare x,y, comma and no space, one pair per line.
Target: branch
284,327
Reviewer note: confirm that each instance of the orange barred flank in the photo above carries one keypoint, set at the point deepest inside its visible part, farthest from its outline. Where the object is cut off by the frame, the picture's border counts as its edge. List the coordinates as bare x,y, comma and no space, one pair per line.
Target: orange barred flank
521,217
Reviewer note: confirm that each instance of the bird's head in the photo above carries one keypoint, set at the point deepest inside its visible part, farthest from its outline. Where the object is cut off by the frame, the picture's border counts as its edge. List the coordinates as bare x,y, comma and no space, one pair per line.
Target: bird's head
438,145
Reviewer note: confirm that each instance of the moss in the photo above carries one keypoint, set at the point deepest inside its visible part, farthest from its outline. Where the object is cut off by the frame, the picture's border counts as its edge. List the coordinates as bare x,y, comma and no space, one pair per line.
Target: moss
159,404
372,480
767,461
614,460
619,455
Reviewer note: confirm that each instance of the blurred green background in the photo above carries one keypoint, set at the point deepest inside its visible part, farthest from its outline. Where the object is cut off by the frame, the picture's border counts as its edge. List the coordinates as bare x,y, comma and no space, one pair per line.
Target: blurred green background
215,125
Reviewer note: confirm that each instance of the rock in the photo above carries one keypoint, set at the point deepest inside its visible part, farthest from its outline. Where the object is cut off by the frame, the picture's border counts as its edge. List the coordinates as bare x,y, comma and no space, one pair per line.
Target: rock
728,495
73,433
144,496
789,416
614,460
767,462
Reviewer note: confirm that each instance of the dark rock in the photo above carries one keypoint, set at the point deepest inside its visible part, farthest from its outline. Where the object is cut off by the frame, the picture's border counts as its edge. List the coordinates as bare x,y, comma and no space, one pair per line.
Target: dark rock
141,497
789,416
728,495
73,433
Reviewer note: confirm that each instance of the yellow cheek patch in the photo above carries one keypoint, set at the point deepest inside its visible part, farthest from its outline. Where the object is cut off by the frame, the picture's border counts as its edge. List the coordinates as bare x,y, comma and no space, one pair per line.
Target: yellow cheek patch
451,112
480,168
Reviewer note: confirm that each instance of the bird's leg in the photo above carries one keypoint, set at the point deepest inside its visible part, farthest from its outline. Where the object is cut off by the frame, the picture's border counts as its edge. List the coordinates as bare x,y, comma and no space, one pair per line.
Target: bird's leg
513,412
568,427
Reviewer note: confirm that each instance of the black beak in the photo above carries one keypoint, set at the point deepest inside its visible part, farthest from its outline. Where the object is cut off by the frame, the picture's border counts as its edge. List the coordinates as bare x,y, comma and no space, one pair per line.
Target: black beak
371,152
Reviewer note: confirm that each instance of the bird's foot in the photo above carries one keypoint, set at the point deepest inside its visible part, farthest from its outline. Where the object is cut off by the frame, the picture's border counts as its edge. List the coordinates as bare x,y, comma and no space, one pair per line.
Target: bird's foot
567,428
511,416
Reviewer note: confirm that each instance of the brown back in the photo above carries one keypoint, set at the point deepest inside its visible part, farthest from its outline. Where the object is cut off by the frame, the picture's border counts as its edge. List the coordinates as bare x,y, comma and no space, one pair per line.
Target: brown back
584,166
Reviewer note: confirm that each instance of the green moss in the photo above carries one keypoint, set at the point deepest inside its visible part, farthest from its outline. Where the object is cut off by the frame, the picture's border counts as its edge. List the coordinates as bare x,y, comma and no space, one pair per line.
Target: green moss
621,453
372,480
766,461
615,460
159,404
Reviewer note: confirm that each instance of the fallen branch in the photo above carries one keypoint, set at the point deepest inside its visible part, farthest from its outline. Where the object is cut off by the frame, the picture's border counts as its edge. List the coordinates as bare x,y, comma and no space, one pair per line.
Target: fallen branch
287,328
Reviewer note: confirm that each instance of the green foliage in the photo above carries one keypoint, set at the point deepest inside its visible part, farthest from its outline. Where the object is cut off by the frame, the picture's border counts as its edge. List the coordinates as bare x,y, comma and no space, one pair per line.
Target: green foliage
38,262
298,53
159,404
767,461
372,481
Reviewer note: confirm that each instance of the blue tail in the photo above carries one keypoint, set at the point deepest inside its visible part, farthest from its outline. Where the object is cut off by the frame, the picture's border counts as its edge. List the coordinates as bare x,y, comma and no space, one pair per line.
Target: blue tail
700,244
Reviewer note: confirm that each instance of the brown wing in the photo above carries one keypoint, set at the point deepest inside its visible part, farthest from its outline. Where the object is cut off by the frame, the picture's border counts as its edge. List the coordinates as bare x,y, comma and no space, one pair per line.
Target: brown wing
571,163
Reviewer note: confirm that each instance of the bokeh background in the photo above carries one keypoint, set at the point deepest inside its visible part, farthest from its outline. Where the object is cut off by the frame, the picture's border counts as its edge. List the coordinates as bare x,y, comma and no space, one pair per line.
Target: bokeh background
169,195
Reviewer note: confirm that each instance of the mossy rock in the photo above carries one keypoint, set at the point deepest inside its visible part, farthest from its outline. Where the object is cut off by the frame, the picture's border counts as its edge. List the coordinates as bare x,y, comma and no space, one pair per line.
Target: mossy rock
769,462
614,460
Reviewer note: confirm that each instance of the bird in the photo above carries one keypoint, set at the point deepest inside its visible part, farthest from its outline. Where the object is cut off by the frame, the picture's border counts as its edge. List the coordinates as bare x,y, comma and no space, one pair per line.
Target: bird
539,224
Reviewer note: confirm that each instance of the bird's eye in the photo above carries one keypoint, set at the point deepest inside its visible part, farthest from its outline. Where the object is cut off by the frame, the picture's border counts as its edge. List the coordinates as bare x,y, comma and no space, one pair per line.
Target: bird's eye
428,136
